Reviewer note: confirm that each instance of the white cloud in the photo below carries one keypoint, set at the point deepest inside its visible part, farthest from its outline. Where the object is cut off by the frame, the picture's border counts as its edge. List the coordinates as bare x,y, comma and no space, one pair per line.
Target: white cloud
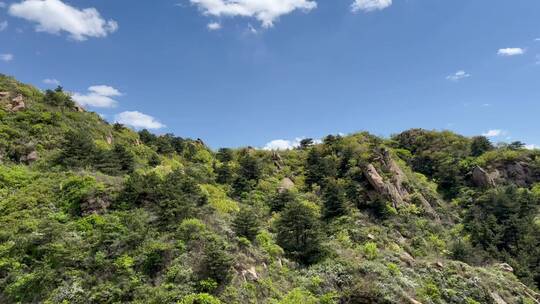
370,5
493,133
532,147
213,26
6,57
51,81
98,96
54,16
138,120
3,25
458,76
104,90
537,39
511,52
266,11
284,144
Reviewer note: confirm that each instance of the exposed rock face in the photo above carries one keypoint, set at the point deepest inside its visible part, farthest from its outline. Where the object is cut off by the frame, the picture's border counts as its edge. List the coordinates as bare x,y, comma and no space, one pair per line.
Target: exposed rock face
497,298
382,187
519,173
395,188
276,158
398,177
406,258
413,301
481,178
4,94
78,108
16,104
109,139
94,205
505,267
250,274
285,185
19,98
32,157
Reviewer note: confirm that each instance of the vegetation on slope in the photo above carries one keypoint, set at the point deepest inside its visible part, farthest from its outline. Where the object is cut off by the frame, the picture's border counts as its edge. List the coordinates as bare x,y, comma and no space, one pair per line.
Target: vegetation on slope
97,213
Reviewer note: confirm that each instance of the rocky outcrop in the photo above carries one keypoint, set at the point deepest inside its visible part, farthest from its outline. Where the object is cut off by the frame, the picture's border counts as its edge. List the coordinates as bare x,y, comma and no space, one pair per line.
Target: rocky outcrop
247,272
286,184
481,178
395,188
31,157
497,298
16,104
109,139
386,189
250,274
505,267
406,258
277,160
94,205
398,176
519,173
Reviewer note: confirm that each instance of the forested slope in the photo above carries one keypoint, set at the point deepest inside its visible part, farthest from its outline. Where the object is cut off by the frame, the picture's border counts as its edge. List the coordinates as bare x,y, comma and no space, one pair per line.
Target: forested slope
97,213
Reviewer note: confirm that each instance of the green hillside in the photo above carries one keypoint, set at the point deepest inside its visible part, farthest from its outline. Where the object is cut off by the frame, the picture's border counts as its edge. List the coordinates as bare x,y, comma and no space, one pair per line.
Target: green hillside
92,212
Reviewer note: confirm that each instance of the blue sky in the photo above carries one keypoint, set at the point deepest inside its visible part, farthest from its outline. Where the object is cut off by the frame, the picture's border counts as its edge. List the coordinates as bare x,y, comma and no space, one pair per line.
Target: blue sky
246,72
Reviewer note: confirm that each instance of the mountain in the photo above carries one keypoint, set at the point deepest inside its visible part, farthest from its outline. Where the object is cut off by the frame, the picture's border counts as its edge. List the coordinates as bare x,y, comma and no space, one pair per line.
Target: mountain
99,213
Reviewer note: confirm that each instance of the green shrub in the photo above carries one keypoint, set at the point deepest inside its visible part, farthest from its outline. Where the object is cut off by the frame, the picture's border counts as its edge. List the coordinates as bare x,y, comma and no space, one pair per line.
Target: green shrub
370,251
201,298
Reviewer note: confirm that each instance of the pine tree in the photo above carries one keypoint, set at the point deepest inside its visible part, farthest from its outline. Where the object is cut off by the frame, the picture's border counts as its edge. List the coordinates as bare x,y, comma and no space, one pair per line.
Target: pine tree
480,145
334,199
299,233
124,158
78,150
246,223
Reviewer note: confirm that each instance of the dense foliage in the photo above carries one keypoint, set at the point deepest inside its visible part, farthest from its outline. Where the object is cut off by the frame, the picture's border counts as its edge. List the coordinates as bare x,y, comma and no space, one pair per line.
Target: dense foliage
98,213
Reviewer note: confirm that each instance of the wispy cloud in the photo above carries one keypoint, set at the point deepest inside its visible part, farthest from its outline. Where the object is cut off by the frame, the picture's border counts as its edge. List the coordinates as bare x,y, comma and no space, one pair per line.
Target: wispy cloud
457,76
51,81
99,96
6,57
3,25
2,4
511,52
370,5
54,16
213,26
265,11
138,120
532,147
494,133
